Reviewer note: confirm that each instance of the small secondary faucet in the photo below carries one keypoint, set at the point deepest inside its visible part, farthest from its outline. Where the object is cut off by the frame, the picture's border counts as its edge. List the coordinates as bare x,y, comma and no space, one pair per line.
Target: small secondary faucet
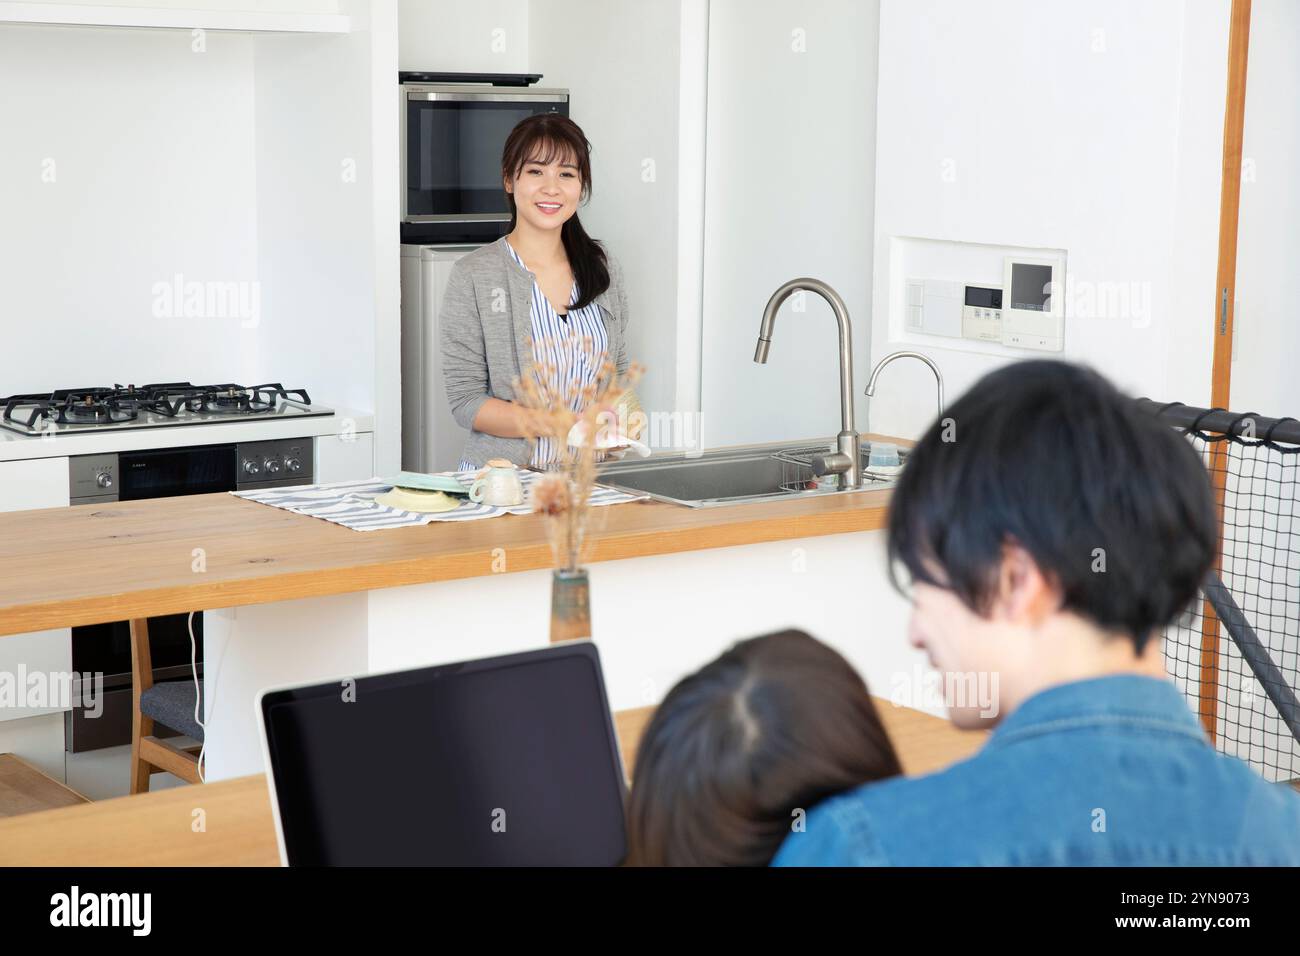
938,376
847,462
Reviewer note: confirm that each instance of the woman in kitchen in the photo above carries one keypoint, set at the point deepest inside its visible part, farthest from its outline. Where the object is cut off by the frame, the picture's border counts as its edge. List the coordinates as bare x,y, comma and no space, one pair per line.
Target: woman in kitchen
544,290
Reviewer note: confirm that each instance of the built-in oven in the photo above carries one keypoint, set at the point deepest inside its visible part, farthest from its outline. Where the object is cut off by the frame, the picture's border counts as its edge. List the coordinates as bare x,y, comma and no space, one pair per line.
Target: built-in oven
453,134
105,649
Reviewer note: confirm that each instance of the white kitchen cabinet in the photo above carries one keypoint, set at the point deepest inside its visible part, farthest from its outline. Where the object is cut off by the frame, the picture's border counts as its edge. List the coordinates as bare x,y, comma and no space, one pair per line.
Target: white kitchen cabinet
34,733
273,16
346,456
33,483
38,740
42,653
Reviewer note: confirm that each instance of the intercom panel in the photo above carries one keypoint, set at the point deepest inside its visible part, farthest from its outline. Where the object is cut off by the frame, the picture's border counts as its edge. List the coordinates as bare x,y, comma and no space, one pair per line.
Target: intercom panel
1033,313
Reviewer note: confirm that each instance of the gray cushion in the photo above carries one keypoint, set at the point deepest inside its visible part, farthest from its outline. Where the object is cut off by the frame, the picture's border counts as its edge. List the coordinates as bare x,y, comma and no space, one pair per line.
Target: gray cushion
172,704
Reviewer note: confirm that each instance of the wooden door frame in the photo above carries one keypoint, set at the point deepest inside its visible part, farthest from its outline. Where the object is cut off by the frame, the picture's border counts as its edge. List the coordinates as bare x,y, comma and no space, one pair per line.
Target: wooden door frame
1234,120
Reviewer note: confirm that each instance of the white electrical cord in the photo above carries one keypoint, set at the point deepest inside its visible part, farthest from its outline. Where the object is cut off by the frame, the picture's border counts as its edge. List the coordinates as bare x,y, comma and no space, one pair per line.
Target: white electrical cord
198,697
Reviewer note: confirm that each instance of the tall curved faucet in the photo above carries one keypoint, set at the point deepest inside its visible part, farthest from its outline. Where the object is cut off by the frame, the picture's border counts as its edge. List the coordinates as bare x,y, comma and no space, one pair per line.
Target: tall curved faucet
938,376
847,462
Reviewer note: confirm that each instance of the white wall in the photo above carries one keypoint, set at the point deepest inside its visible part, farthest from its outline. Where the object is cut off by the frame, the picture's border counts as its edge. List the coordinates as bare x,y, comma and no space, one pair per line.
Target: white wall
791,144
127,159
622,61
1095,128
326,112
314,165
1266,335
265,163
464,36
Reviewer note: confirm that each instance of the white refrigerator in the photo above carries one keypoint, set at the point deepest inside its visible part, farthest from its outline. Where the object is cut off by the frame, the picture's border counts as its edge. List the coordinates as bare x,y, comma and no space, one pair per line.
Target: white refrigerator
431,439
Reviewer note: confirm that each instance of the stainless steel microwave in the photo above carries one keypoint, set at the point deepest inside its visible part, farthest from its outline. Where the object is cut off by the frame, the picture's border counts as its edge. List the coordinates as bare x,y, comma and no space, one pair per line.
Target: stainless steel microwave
452,138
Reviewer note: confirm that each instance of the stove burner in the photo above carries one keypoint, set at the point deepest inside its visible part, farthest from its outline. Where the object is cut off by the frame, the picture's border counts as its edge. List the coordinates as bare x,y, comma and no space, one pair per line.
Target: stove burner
230,399
137,399
237,400
125,403
91,409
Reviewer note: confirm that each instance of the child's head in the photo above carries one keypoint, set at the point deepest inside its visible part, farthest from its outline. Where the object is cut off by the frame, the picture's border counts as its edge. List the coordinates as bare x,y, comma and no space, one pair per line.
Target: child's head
1050,528
772,726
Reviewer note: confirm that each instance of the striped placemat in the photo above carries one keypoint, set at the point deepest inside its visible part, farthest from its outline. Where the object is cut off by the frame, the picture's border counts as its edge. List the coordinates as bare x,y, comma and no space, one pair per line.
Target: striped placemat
352,503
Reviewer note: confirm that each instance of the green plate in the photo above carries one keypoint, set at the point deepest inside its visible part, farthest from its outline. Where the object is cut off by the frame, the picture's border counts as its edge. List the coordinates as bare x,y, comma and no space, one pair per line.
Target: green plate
421,482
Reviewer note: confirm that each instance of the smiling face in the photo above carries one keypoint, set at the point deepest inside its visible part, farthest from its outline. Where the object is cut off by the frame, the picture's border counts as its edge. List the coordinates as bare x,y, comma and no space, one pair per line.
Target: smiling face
983,657
962,646
547,193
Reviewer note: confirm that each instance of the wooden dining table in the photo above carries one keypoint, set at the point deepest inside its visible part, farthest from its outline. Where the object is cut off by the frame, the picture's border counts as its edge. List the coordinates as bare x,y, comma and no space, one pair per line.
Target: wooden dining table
229,823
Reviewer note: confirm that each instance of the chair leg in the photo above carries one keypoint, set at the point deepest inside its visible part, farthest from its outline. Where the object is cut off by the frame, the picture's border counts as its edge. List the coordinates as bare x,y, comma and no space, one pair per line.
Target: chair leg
141,680
140,772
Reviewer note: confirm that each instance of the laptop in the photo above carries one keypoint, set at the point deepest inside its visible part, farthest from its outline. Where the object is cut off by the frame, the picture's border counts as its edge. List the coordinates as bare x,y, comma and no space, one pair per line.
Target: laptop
504,761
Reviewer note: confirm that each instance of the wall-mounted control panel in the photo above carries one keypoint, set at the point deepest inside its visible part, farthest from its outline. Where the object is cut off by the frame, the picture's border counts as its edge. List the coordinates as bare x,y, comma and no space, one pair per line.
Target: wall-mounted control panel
1033,313
934,306
958,309
981,314
1026,312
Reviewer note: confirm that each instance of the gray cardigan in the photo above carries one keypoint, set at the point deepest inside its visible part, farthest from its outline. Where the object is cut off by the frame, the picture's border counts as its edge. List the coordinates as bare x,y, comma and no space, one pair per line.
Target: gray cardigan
486,321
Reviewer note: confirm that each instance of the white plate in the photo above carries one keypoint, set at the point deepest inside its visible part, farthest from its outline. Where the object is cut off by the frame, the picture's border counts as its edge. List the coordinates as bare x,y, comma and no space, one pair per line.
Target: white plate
606,438
422,502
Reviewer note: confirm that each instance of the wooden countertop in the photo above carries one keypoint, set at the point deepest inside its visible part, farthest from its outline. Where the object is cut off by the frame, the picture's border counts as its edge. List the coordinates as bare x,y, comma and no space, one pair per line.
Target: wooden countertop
61,567
156,829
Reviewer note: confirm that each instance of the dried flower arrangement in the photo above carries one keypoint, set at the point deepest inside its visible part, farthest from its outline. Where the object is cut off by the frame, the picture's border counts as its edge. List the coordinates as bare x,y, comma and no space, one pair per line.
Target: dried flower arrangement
552,407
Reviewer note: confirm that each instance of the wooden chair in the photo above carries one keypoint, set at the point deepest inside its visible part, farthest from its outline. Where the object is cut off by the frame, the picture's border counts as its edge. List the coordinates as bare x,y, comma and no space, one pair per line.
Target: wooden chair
171,704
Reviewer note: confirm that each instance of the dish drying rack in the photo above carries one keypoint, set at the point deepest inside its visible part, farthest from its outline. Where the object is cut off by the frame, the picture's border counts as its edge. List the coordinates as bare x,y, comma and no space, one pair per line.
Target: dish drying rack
797,471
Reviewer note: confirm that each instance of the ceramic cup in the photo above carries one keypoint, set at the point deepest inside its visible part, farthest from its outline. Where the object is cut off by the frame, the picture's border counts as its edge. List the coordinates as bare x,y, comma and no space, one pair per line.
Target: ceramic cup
500,485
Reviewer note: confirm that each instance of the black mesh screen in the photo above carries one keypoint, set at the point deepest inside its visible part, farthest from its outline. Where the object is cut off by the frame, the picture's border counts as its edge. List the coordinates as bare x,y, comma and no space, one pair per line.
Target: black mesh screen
1241,670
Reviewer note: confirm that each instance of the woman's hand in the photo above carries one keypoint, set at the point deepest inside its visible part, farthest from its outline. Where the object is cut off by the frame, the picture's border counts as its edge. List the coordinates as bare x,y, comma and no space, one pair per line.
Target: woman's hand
498,417
608,424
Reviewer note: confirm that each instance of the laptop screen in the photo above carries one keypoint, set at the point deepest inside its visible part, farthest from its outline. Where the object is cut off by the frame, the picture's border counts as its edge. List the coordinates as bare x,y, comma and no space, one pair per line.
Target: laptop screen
510,760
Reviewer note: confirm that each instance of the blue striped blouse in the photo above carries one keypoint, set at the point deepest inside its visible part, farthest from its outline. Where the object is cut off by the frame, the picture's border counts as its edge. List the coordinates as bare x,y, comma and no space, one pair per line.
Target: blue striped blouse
557,340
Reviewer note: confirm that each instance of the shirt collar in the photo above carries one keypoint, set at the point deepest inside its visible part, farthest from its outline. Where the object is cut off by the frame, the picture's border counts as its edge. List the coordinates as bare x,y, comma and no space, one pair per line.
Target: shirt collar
1127,701
512,254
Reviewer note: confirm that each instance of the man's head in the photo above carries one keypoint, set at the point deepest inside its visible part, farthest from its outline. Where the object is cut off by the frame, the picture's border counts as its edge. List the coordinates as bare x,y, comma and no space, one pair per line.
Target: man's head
1050,529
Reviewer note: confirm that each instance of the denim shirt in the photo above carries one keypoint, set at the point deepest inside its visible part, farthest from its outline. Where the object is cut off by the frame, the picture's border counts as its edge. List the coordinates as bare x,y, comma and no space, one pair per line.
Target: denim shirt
1111,771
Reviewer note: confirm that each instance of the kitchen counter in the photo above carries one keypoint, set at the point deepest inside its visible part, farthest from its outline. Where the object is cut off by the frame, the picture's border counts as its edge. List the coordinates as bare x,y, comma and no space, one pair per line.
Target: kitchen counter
63,567
287,599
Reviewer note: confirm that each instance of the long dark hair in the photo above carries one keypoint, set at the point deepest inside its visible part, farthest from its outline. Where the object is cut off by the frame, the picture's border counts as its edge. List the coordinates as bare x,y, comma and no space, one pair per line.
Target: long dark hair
543,138
774,725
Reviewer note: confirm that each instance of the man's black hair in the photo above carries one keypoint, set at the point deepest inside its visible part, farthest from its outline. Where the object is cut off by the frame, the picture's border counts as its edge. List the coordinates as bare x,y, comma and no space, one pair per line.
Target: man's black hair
1114,506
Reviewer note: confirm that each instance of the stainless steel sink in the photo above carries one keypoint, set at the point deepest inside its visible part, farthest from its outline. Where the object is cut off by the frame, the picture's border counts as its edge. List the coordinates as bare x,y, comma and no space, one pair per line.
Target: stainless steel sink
735,475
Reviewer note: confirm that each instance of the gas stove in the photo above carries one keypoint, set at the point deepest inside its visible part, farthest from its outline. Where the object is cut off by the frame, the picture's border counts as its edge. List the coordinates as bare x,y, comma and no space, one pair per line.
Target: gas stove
164,405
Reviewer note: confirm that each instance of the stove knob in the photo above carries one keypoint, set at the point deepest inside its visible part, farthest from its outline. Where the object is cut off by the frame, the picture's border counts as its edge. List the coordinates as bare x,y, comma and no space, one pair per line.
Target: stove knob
272,466
251,467
104,480
293,464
